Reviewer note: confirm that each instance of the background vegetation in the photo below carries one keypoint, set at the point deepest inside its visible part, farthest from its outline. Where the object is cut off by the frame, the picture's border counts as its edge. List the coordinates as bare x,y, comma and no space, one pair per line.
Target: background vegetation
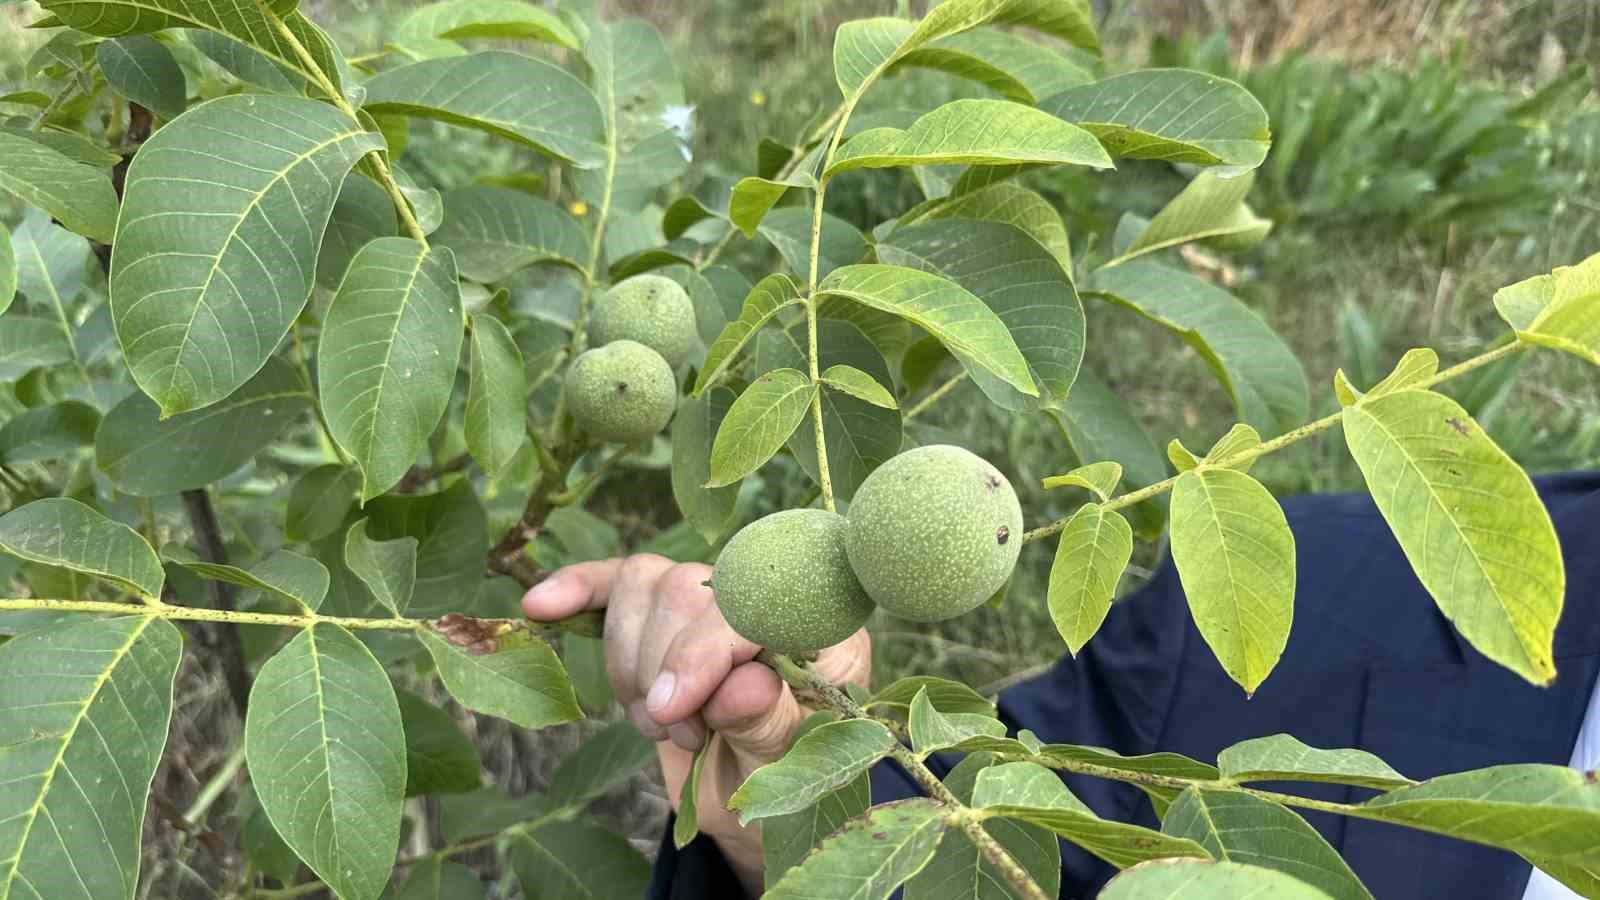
1388,235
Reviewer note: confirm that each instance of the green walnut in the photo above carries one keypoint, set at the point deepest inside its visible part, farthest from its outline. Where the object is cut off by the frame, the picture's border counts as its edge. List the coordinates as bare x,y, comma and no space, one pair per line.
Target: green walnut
650,309
623,392
934,532
784,582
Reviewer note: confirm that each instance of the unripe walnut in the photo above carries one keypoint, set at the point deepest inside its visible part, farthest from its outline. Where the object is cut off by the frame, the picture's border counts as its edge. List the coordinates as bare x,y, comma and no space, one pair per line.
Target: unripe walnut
623,392
784,582
934,532
651,309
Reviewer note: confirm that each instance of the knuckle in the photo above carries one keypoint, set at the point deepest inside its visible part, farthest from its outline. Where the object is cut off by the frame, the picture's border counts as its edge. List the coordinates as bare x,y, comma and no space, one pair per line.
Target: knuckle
682,588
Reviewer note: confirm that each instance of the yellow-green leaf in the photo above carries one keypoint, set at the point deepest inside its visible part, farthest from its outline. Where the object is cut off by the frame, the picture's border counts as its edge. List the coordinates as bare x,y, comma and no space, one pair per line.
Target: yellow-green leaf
1559,310
1101,478
1235,556
973,132
1469,521
1175,115
771,295
61,532
759,423
1094,549
860,385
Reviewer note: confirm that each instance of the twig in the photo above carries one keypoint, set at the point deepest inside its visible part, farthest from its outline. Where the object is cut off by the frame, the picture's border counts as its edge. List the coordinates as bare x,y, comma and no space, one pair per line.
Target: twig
1284,440
938,394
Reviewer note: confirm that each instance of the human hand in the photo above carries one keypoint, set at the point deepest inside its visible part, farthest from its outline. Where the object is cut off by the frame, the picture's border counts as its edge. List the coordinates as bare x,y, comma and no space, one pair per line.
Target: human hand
682,673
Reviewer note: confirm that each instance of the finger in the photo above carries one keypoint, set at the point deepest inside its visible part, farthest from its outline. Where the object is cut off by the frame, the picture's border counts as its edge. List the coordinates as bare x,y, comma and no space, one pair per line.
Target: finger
632,595
755,713
849,661
680,598
701,656
572,589
690,734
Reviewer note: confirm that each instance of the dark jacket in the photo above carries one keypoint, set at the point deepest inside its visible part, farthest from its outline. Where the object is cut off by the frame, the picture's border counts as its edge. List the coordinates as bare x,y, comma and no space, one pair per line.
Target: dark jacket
1371,663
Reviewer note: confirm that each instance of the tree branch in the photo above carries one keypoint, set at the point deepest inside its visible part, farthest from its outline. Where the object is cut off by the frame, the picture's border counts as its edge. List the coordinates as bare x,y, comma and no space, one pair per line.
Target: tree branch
224,637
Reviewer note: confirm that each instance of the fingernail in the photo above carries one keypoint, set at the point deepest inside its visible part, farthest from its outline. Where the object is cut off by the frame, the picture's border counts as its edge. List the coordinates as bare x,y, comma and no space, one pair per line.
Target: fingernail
685,735
543,590
661,692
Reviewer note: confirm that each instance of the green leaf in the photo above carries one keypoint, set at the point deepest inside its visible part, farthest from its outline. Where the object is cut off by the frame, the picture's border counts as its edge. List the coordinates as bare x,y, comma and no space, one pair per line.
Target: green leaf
859,436
363,212
1548,812
752,198
523,683
976,133
1559,310
440,759
1023,784
79,196
870,856
8,270
1206,881
388,568
770,296
453,535
687,824
1005,202
710,510
497,393
246,63
860,385
487,810
788,839
59,531
496,231
1282,757
604,761
48,432
300,580
388,356
864,49
506,94
242,21
932,730
1168,764
960,321
959,872
1175,115
1211,206
326,752
433,29
1094,549
789,230
1235,826
759,423
28,343
945,695
254,176
1469,521
265,848
1235,556
142,69
431,878
1021,282
1010,65
146,455
425,202
1238,439
84,710
1097,424
1100,478
50,268
1117,843
577,860
1260,372
319,501
822,761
